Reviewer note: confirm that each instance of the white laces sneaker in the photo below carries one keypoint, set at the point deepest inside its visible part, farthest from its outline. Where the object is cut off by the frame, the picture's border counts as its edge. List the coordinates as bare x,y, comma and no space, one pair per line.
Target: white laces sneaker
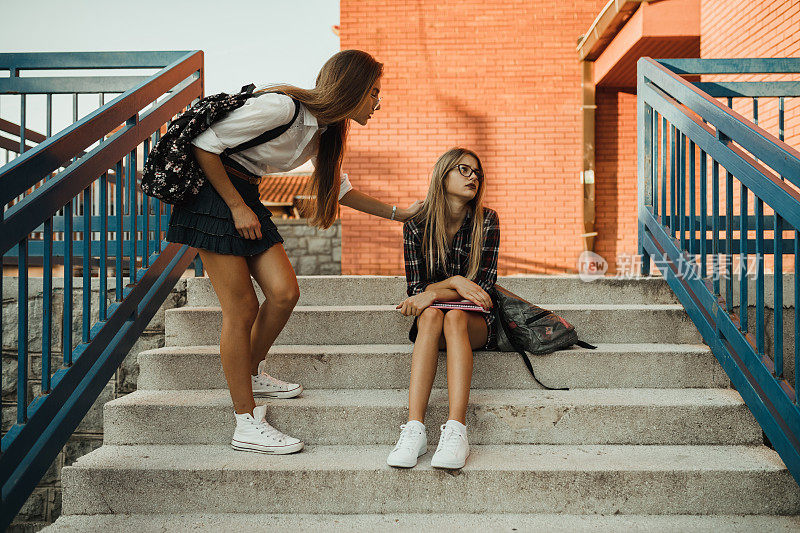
254,434
413,442
266,386
453,447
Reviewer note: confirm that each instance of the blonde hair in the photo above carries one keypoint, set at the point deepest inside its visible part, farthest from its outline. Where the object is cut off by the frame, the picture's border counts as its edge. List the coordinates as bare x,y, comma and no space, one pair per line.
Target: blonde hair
342,85
435,212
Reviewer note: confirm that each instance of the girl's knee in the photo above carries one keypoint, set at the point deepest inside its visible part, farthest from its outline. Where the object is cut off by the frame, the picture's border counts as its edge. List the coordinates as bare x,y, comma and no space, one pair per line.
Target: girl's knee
286,297
241,311
455,324
455,319
431,317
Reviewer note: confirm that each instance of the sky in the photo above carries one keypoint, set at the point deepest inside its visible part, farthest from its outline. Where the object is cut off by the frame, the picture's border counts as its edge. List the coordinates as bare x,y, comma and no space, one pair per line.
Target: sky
252,41
260,41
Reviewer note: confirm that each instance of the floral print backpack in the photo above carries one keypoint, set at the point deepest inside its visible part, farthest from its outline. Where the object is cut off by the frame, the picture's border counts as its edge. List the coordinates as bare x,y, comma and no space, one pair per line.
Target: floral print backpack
171,172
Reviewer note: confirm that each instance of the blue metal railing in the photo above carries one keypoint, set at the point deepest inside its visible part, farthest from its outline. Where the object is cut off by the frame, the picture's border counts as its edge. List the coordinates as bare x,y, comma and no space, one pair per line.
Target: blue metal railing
688,247
83,179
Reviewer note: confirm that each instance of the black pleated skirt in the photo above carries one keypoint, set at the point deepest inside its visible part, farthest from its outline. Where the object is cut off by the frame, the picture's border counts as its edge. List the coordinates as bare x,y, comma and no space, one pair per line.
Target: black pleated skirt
206,222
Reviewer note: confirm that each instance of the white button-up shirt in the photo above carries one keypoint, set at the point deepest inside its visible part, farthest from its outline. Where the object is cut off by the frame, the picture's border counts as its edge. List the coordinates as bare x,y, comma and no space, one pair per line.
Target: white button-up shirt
284,153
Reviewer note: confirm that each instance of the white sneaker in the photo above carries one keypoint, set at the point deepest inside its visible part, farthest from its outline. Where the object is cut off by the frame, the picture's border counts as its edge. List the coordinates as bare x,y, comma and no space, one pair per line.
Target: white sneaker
266,386
413,443
453,447
254,434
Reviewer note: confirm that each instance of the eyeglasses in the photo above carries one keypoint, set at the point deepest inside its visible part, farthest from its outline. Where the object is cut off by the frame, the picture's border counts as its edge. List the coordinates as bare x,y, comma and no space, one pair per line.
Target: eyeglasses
377,102
467,171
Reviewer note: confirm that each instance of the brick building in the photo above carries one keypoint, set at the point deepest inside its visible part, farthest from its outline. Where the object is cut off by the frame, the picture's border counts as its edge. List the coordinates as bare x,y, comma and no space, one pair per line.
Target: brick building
504,79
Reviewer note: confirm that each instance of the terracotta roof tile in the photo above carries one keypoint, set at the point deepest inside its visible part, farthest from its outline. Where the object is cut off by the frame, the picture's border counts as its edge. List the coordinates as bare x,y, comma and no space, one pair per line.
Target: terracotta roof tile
281,190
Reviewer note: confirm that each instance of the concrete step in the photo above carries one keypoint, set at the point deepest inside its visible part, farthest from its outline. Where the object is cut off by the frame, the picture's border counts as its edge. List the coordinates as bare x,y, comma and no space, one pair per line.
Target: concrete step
352,417
383,324
378,290
583,479
545,523
343,367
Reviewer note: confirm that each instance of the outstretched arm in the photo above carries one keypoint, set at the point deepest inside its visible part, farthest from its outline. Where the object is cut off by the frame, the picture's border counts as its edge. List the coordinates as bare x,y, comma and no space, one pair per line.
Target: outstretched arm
372,206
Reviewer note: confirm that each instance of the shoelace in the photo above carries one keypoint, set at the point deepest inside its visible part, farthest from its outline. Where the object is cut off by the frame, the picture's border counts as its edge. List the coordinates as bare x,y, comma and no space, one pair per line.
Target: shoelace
271,380
266,429
405,437
450,439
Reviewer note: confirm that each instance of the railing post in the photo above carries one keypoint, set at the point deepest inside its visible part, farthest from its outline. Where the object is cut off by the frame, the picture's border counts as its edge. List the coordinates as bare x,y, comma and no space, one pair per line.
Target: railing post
118,214
644,128
133,206
66,333
22,332
47,302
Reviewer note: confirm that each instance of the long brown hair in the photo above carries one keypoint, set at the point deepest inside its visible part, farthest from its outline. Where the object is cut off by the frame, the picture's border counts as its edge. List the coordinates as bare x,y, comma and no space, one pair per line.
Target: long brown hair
435,212
342,85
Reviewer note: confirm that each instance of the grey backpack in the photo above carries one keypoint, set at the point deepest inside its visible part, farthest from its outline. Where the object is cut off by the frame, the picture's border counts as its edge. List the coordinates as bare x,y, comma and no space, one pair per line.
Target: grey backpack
524,327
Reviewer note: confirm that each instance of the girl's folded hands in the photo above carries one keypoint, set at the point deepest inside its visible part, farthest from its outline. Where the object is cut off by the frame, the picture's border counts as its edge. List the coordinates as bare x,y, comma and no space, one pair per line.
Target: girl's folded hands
469,290
415,305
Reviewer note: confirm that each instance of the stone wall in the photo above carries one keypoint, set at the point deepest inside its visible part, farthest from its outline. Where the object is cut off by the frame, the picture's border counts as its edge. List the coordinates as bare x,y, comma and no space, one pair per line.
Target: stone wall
312,251
44,505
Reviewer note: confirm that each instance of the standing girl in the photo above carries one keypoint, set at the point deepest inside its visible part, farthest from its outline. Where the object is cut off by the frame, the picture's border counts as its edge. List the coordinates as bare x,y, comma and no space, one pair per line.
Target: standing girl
236,238
450,251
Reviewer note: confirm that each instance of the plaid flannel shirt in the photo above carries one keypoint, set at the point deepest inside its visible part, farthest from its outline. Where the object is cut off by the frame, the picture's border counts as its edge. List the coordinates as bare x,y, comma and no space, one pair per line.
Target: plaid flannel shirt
457,261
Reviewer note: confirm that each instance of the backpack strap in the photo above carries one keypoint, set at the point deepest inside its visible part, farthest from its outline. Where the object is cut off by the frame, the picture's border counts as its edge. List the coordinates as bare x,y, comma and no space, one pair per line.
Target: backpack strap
524,355
267,135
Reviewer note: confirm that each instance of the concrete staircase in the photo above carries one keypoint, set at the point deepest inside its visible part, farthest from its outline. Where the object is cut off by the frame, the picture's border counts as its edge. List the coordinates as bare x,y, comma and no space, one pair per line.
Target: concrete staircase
649,438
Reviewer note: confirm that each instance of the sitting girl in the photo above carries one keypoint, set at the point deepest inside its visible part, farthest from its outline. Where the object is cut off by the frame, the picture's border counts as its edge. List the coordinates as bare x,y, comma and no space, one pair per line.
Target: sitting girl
450,251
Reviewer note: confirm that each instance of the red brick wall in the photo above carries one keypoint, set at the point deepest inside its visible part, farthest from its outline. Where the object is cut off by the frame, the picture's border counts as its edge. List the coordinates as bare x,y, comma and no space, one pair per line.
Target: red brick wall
504,81
501,78
756,28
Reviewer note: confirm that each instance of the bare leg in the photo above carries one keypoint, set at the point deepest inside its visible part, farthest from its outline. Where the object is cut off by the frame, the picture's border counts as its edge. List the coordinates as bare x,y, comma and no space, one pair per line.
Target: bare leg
463,331
423,362
231,281
274,274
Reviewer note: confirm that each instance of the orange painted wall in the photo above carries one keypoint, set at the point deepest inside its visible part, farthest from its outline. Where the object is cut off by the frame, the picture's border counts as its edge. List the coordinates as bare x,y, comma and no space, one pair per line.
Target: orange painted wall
501,78
616,193
729,29
760,28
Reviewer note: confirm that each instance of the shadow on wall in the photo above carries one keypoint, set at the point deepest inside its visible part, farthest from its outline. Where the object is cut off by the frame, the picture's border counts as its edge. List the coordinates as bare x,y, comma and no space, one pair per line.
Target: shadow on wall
475,124
529,266
382,164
